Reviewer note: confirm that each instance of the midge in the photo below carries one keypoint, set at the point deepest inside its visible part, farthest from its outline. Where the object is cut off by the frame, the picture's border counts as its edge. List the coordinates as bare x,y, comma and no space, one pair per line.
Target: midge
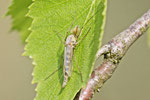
71,42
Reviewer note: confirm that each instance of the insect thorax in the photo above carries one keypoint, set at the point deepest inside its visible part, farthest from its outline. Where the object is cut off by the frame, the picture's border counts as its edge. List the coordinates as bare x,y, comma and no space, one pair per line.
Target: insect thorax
76,31
71,40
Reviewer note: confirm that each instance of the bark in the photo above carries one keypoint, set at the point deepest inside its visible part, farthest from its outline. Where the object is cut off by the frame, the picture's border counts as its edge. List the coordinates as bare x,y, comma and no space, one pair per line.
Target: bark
113,52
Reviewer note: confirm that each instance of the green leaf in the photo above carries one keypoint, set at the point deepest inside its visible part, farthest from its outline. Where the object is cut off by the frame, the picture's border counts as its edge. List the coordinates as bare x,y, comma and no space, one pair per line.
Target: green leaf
46,49
18,10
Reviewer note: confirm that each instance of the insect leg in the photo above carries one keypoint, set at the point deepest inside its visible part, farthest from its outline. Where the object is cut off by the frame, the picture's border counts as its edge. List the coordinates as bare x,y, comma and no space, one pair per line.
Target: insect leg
52,73
62,38
88,20
84,36
60,66
70,28
78,68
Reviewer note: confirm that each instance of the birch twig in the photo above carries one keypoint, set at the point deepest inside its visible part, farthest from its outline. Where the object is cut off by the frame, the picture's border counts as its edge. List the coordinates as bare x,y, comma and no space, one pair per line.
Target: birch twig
113,52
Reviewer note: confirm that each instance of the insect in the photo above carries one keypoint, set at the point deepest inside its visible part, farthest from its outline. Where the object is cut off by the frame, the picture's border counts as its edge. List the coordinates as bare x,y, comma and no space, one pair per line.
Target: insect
70,43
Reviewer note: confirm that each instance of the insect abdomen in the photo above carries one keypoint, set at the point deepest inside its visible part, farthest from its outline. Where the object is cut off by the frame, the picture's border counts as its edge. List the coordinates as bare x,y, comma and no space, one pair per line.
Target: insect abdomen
68,60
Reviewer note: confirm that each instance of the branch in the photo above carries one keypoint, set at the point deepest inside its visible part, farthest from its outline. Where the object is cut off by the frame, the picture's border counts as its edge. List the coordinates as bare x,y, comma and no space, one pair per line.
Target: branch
113,52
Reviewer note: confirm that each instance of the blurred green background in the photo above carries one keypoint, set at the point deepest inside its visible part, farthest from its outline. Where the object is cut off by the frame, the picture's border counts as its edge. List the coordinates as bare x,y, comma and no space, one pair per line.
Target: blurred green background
131,80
